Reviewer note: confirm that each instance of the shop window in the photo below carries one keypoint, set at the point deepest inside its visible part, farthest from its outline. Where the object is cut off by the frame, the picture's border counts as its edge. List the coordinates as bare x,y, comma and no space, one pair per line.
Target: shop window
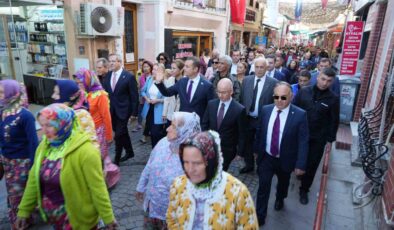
184,47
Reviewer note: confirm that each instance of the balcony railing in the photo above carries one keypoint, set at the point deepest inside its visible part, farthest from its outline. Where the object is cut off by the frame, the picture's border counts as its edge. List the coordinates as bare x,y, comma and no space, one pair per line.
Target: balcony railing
209,6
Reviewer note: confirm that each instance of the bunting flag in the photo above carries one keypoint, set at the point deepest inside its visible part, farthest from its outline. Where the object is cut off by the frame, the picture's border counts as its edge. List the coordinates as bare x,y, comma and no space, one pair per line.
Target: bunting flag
238,11
298,10
324,4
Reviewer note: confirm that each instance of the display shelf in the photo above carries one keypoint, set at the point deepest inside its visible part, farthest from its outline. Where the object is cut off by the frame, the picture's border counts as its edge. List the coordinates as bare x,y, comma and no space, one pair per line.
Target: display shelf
41,63
46,43
47,53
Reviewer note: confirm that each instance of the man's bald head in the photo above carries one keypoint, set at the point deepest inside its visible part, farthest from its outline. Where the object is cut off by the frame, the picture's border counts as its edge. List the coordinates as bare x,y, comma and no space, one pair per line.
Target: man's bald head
224,89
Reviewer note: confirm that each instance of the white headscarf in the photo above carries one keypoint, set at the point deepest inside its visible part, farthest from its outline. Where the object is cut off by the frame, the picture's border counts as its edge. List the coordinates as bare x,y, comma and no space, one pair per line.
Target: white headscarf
188,124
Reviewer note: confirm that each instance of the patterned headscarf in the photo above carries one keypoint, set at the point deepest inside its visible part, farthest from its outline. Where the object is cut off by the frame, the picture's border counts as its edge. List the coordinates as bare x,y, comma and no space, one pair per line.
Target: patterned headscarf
15,98
71,94
89,80
209,144
188,124
61,117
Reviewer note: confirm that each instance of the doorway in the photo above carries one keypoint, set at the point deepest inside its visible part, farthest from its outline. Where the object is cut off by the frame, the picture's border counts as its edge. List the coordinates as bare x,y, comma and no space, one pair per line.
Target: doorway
130,45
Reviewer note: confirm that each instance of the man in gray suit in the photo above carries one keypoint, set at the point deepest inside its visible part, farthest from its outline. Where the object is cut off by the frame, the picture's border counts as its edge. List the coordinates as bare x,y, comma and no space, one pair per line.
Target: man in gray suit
257,91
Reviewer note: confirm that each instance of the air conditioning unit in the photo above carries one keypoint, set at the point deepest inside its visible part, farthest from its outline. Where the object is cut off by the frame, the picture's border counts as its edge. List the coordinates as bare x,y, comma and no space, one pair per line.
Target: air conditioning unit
101,20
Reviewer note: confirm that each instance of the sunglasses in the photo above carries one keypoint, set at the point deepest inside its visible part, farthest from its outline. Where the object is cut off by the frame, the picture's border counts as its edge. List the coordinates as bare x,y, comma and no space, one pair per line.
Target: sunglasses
283,98
215,62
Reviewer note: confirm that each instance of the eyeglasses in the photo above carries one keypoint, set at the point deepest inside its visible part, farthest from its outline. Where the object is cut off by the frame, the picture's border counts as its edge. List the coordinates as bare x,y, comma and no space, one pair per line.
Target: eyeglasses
242,58
283,98
215,62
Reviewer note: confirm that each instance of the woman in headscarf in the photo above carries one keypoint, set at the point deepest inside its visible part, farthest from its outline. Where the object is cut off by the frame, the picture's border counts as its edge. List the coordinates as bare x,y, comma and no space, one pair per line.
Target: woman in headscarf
68,93
66,181
18,140
99,109
153,107
163,166
206,197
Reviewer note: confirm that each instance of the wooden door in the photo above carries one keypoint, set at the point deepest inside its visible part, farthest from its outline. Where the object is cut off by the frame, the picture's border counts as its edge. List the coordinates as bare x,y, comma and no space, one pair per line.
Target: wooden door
130,45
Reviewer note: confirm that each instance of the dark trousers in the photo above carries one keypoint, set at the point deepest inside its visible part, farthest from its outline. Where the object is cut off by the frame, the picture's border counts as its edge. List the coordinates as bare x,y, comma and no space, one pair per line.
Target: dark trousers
156,131
249,141
122,138
270,166
228,156
316,151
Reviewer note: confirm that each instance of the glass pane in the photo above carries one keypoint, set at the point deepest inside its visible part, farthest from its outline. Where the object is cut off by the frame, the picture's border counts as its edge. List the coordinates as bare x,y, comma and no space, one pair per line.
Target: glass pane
184,47
129,31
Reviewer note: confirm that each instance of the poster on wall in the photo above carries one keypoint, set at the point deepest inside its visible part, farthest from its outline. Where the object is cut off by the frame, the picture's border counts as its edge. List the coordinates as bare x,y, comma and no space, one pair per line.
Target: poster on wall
351,47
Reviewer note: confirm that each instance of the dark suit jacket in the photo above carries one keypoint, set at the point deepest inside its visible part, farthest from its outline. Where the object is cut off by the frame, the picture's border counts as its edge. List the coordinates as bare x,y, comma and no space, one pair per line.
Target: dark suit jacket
124,99
232,129
287,74
203,94
279,76
266,94
294,145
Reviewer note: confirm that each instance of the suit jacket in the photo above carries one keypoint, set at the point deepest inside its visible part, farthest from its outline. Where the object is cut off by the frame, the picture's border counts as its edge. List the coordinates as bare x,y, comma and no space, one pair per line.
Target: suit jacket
232,129
124,99
279,76
287,74
266,94
198,104
293,150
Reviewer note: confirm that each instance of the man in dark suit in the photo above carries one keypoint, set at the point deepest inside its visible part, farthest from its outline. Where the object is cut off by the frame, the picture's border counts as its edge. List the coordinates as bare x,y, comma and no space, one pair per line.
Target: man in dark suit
272,72
282,146
227,117
194,91
121,87
279,67
256,91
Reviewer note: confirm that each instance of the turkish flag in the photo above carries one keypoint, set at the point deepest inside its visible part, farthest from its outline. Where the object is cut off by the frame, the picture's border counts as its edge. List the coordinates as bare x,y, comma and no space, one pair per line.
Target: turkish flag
324,4
238,8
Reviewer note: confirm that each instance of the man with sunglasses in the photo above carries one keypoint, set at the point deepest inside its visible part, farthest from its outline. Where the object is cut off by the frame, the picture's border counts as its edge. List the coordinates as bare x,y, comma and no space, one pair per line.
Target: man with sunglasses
282,147
256,91
322,107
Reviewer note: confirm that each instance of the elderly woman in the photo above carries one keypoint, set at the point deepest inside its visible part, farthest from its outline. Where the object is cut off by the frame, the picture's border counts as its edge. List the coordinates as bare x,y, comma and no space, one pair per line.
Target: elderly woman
163,166
66,181
69,93
206,197
18,140
99,109
153,107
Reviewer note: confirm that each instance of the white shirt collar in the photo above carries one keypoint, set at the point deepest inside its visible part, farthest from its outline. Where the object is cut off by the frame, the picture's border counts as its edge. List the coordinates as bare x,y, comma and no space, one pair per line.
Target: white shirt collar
119,72
226,103
196,79
284,111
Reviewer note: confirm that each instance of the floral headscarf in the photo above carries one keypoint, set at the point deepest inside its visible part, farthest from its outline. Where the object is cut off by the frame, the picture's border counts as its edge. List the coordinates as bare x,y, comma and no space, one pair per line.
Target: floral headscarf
71,94
188,125
15,98
61,118
89,80
209,144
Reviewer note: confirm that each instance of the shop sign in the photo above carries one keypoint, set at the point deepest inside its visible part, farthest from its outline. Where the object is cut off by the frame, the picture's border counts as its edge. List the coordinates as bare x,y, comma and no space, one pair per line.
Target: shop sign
261,40
250,15
238,8
183,55
351,47
185,46
51,14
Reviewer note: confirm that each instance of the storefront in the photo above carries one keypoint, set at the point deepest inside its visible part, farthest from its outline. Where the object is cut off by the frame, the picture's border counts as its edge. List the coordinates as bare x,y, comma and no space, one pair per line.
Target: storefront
183,44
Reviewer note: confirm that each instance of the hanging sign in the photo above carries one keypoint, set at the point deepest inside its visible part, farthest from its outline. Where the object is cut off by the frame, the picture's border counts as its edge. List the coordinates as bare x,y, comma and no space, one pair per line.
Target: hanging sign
351,47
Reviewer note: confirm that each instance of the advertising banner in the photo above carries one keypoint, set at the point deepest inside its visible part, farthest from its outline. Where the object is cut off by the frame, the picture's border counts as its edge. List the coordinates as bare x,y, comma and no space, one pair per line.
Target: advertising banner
351,47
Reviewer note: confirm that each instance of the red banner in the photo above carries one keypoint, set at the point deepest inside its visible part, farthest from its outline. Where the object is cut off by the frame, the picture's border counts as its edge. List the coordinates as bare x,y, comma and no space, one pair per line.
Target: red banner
351,47
238,9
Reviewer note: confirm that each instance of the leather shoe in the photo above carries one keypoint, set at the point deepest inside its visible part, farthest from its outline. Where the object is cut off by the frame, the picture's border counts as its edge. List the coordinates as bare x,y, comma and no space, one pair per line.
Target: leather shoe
126,157
304,198
246,169
261,222
278,205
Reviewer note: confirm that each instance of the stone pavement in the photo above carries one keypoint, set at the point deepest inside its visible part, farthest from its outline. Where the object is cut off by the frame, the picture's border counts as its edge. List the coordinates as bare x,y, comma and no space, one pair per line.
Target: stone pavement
339,213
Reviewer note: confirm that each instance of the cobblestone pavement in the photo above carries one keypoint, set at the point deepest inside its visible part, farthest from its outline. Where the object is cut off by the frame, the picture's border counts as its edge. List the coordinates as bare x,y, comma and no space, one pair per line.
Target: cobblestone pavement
127,210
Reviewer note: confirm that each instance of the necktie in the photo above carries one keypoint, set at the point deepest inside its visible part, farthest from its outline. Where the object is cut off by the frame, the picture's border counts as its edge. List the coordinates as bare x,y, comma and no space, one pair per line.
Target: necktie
189,91
275,136
113,83
256,88
220,115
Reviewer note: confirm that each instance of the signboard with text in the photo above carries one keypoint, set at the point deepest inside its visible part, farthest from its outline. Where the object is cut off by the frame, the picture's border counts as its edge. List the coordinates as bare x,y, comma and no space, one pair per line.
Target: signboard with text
351,47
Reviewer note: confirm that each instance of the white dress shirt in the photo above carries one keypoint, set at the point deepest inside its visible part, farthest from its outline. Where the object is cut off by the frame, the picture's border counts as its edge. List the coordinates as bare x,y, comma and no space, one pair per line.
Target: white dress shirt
283,117
153,91
259,90
271,74
226,106
196,81
234,68
118,73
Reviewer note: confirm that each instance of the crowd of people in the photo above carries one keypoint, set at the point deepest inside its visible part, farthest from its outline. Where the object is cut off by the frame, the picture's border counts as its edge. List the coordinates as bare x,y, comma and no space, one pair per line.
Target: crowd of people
275,108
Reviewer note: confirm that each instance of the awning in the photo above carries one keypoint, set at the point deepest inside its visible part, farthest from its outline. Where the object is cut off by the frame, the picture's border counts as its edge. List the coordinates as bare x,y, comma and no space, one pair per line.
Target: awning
270,26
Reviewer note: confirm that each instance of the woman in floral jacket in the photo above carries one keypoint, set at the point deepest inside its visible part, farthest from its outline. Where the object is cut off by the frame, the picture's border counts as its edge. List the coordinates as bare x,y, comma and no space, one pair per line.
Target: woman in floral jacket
206,197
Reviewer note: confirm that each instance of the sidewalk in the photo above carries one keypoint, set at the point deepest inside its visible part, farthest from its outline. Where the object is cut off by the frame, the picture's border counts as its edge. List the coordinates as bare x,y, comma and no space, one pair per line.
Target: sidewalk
339,214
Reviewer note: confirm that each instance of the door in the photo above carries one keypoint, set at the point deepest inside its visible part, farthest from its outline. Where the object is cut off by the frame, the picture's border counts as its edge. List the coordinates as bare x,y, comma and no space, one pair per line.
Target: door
130,45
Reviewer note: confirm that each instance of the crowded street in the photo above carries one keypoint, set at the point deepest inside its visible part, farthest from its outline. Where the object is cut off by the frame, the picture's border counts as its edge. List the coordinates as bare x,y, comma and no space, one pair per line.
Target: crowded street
196,114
